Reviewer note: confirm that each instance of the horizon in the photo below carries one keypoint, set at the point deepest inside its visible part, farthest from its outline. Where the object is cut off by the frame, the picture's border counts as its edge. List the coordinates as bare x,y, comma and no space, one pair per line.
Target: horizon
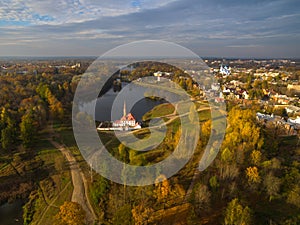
95,57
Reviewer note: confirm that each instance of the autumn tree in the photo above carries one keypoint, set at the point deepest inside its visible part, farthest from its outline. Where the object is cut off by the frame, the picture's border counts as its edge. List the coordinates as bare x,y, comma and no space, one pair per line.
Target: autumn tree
162,190
142,214
253,175
71,213
55,106
242,134
236,214
256,157
205,131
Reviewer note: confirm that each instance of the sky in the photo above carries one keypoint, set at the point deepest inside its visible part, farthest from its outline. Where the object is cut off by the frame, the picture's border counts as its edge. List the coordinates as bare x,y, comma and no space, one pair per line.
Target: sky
211,28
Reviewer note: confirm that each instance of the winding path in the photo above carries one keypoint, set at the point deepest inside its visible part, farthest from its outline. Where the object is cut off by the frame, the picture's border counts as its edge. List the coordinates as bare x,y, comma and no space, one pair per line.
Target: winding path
79,183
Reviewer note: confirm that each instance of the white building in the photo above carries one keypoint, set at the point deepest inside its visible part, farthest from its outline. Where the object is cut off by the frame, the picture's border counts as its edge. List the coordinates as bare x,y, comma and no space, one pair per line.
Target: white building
127,120
225,70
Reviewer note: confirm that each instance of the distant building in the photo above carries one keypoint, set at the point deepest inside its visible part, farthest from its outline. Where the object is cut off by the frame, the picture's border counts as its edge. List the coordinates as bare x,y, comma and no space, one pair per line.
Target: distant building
225,70
159,74
215,86
77,65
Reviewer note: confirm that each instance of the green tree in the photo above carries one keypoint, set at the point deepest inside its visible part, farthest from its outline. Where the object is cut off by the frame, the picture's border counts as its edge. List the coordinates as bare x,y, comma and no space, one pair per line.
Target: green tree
8,132
123,152
213,182
123,216
27,129
8,137
98,189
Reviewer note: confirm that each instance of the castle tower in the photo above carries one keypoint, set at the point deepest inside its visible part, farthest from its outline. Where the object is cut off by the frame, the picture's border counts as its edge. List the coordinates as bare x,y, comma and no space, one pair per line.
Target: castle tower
124,109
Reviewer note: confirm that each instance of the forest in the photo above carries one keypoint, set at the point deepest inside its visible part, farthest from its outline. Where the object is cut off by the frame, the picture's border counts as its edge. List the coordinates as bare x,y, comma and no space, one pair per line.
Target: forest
255,178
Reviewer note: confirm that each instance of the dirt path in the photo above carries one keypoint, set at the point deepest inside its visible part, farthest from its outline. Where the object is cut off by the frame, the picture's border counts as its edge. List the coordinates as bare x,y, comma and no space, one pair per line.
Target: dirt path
79,183
51,204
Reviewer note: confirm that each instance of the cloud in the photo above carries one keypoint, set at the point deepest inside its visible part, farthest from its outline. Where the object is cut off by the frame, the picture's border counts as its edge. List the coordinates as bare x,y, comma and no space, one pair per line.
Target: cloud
233,24
68,11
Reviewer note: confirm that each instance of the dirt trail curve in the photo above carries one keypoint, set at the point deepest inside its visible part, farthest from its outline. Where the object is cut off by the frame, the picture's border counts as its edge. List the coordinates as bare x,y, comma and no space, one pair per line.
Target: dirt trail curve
79,182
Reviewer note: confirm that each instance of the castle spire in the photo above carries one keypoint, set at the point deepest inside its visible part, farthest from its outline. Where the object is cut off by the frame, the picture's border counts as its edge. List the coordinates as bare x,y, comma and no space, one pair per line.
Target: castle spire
124,109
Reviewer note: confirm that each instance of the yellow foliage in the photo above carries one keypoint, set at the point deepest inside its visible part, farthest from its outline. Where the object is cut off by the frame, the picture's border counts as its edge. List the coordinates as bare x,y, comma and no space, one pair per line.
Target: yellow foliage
71,213
256,157
253,175
141,214
162,190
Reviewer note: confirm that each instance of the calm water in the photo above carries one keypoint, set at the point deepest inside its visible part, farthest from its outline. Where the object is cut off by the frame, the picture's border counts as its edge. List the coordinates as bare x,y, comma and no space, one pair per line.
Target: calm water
132,96
11,213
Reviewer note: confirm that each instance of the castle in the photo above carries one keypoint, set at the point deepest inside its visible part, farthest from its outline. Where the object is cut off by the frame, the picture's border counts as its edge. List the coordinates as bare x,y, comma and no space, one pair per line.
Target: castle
127,121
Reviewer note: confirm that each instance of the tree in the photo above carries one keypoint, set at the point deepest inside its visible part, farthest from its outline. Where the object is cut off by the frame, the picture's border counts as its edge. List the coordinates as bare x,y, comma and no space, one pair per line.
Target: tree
205,131
253,175
123,152
71,213
8,137
8,133
123,216
227,156
98,189
272,185
55,106
256,157
142,214
201,197
213,182
236,214
294,196
27,129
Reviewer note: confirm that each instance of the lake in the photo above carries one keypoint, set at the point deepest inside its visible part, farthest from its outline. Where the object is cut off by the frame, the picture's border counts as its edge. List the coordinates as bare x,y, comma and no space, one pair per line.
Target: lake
133,97
11,213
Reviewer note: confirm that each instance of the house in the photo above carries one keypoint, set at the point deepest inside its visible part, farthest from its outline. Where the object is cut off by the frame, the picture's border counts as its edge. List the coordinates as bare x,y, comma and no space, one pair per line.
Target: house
292,109
245,95
295,123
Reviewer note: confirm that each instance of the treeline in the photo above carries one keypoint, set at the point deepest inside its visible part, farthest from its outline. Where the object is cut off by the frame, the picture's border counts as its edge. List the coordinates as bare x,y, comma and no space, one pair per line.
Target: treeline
144,69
